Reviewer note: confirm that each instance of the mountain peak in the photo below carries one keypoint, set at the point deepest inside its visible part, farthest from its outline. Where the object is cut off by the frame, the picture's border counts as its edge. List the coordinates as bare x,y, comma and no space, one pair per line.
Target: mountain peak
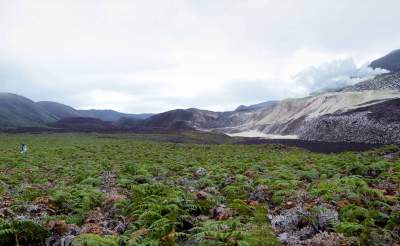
389,62
8,95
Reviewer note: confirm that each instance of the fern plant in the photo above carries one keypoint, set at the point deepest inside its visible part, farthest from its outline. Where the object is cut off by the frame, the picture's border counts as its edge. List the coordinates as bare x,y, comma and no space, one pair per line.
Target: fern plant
22,232
95,240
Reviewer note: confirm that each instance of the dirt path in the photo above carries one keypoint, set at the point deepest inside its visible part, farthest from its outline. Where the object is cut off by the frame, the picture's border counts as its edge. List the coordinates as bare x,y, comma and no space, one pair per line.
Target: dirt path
105,219
109,182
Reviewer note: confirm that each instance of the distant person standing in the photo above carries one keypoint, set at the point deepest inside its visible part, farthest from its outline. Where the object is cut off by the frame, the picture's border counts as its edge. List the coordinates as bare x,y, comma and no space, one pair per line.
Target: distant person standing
24,149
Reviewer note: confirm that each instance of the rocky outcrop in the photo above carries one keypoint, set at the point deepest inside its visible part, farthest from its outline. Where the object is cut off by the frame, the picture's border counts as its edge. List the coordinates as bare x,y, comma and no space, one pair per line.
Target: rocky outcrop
389,62
297,224
378,123
381,82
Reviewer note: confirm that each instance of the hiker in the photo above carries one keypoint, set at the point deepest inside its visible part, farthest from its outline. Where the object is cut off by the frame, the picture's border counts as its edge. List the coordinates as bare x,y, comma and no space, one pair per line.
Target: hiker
24,149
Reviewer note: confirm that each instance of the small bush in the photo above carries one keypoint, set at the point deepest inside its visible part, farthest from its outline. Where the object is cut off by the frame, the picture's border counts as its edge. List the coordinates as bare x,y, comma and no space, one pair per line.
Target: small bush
21,232
94,240
349,229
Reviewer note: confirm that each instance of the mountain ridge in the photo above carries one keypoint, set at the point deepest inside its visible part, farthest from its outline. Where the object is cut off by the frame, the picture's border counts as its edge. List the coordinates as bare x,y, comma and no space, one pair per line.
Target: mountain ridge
21,111
63,111
290,117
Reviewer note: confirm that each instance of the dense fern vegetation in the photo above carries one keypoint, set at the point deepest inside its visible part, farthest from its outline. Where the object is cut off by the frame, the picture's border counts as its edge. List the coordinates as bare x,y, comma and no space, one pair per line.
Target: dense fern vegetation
90,189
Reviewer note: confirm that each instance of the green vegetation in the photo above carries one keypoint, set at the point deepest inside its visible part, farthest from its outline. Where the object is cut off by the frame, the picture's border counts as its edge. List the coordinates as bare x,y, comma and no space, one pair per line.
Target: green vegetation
141,190
18,111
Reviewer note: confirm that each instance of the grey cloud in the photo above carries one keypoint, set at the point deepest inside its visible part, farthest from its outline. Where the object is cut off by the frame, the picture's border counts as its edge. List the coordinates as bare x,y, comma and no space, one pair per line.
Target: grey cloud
334,74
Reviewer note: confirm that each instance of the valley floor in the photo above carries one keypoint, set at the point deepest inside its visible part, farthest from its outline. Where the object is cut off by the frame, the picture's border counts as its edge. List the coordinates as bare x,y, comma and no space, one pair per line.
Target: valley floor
135,189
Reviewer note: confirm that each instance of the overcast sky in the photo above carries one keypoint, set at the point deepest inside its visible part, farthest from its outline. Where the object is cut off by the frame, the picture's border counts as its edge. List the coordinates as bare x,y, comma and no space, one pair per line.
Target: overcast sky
152,56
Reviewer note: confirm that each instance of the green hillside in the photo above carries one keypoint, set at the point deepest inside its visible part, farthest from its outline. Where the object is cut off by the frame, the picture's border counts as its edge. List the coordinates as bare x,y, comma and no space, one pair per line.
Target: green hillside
18,111
59,110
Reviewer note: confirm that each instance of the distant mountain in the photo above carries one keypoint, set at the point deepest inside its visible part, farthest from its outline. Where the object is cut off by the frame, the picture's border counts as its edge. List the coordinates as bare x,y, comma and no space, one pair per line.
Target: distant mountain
289,116
18,111
83,124
62,111
349,114
389,62
175,119
316,117
195,118
365,112
110,115
256,106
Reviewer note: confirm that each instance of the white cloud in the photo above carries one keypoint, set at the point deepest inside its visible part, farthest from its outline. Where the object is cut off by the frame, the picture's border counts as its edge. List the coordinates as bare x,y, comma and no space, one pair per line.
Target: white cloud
334,75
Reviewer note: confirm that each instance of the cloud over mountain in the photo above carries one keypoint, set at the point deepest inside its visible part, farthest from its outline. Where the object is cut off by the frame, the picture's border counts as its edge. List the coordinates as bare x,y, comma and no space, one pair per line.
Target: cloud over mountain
335,74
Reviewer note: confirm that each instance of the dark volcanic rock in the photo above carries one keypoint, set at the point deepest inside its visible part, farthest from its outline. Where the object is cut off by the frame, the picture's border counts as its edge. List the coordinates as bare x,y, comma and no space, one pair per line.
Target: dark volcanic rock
82,123
389,62
385,81
179,119
378,123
